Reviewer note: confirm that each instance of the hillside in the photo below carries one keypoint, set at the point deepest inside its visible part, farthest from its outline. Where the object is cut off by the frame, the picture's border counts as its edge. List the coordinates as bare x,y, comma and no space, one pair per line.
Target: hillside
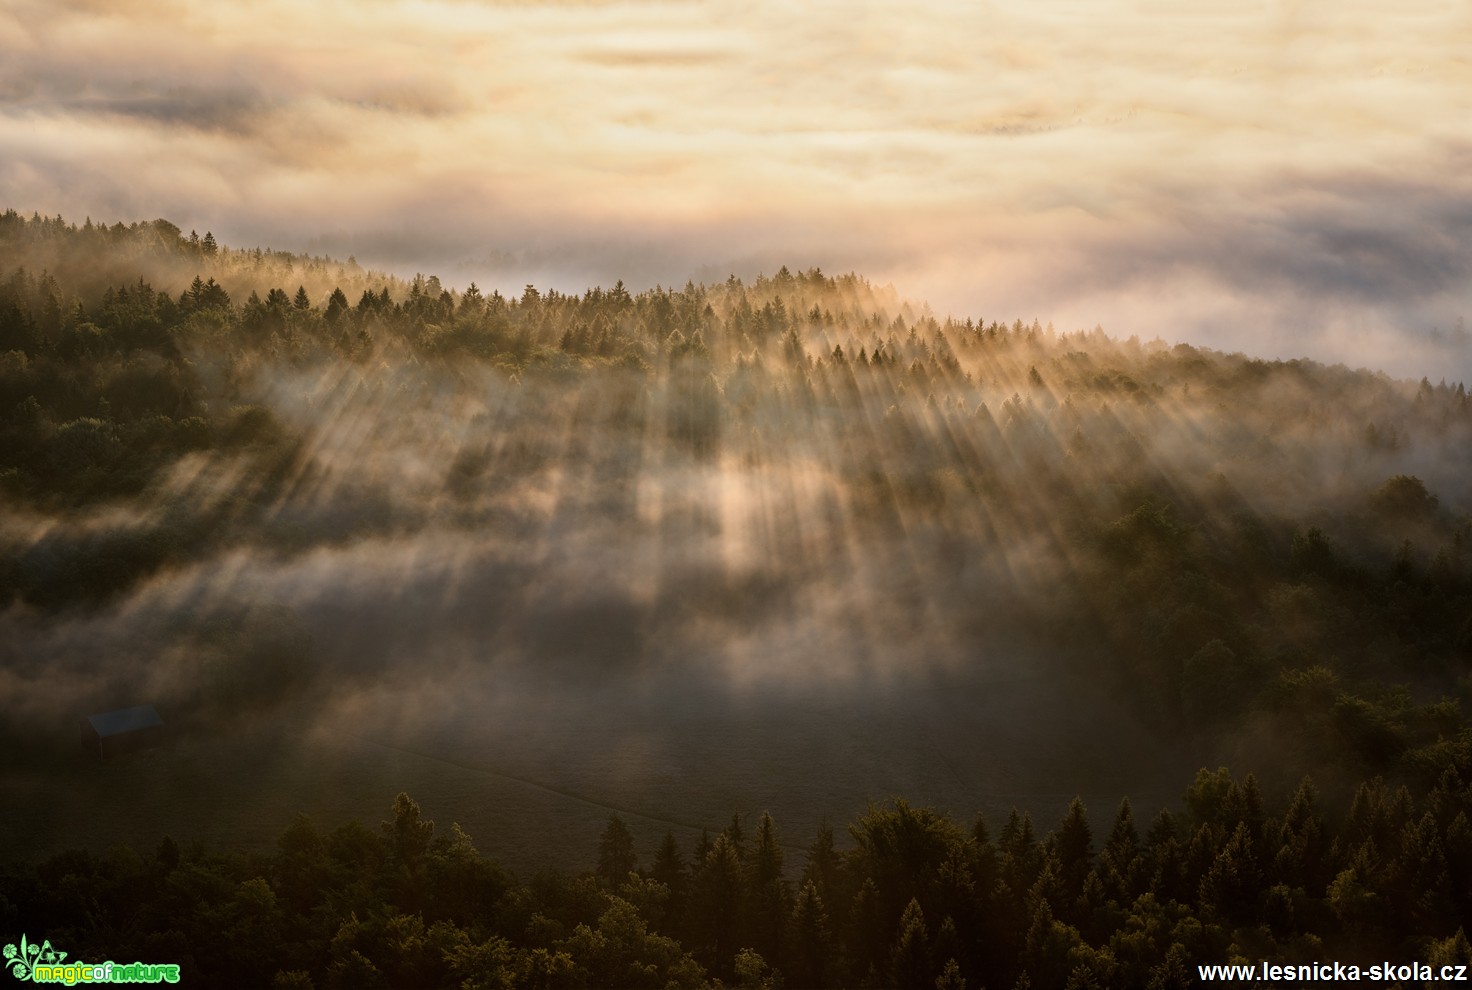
790,544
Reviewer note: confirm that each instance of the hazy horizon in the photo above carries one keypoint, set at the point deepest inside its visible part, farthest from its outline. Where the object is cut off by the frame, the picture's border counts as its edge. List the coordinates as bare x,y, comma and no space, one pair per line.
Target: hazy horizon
1285,179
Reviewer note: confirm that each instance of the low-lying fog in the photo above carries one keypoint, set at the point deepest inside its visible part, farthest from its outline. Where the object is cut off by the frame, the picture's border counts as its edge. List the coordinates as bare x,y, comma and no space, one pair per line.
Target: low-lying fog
761,575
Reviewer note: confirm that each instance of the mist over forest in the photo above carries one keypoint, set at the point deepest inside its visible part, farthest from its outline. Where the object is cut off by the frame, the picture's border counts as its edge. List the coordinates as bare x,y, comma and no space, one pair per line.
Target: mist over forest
792,544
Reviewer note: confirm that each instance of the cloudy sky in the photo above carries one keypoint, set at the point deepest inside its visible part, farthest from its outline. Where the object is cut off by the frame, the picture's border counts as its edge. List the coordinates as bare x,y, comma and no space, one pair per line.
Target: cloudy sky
1285,178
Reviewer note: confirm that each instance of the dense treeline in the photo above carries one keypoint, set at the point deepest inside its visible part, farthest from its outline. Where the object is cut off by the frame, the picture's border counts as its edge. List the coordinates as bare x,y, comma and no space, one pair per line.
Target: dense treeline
909,899
85,261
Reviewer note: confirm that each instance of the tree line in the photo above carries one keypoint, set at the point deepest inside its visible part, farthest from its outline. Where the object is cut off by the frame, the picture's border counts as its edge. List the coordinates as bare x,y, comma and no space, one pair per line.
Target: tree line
907,898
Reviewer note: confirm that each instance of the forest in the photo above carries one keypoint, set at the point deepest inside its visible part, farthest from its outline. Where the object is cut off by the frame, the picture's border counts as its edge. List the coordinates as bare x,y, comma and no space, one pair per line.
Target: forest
684,563
917,900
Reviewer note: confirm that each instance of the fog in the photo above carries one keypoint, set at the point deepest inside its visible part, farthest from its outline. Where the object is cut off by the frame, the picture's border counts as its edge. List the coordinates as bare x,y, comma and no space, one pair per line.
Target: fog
792,546
1284,179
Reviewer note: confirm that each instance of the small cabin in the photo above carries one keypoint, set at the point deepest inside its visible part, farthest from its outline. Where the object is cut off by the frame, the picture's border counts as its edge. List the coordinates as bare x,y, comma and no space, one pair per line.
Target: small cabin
126,730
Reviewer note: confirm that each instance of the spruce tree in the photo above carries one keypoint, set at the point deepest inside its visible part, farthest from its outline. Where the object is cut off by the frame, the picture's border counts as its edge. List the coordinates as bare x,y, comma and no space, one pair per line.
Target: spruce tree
909,961
810,957
616,858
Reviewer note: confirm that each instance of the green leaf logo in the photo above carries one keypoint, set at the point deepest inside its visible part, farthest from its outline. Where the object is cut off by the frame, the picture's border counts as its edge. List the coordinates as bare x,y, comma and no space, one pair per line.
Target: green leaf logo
22,959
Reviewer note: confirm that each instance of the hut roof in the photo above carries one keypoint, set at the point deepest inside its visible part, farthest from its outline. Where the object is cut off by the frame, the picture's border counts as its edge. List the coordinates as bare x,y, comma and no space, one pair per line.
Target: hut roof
125,720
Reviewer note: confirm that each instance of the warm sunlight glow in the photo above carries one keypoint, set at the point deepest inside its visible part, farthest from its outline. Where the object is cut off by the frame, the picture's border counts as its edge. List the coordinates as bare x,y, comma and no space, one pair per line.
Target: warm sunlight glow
1281,179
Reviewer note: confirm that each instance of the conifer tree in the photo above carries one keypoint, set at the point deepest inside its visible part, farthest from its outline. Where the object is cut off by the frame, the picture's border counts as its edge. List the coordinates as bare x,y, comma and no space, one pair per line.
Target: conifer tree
1021,854
1233,884
768,896
337,304
1074,846
1120,862
909,962
809,957
669,865
717,903
616,857
824,867
950,977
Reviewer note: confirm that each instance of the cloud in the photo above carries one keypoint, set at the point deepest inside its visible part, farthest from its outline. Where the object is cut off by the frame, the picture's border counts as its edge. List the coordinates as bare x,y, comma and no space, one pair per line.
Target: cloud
1150,164
648,58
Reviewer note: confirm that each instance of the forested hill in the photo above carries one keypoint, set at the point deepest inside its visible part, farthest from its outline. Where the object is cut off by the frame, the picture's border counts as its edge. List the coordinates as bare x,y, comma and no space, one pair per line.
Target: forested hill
1218,534
85,261
261,489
